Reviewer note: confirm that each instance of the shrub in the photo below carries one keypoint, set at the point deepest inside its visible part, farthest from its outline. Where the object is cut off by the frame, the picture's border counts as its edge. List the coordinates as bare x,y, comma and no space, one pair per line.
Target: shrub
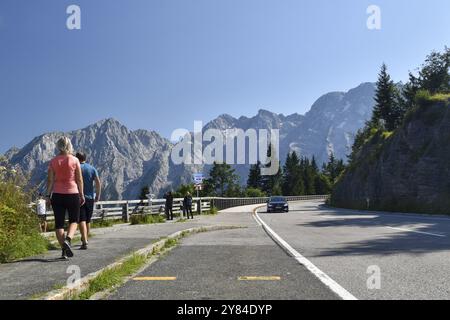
19,225
254,193
146,219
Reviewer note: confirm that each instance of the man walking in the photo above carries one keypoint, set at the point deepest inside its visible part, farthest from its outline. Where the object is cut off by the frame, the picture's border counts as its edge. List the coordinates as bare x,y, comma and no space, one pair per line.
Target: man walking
90,177
169,205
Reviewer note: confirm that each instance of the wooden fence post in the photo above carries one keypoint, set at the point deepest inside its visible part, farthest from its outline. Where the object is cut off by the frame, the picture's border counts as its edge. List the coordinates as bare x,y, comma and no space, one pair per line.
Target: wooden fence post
125,214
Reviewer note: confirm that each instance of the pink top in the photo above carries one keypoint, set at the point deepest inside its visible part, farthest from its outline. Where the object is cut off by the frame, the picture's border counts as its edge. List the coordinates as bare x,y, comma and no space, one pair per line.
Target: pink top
64,168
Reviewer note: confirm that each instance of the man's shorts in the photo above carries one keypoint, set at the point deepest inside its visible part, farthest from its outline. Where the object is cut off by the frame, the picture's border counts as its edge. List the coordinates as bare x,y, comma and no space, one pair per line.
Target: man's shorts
86,211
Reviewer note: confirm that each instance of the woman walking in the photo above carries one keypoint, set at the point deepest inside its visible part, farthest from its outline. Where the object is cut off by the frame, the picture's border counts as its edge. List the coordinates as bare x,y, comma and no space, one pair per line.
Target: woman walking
65,192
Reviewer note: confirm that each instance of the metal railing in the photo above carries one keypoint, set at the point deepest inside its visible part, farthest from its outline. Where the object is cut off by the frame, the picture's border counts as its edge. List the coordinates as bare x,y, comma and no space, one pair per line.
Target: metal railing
123,209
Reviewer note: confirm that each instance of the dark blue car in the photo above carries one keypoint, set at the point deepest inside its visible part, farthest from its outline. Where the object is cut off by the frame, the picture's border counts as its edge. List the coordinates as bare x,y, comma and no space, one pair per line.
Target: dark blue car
277,204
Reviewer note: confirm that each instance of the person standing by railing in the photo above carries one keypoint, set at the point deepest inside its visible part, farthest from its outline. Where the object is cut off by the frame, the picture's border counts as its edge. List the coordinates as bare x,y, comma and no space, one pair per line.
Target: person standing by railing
65,192
187,205
169,205
90,178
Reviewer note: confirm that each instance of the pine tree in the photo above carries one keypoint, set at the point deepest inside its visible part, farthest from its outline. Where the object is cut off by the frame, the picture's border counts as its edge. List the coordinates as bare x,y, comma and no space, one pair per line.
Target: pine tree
333,169
292,176
385,100
254,176
308,177
222,179
271,185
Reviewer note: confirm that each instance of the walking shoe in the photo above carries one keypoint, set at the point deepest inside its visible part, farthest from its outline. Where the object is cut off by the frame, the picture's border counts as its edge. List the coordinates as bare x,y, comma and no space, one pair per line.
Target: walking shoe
64,255
68,248
84,246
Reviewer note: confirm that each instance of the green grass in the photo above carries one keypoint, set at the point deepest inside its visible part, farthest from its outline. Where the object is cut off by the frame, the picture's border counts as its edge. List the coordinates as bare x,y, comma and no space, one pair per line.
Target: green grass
146,219
212,211
113,277
105,223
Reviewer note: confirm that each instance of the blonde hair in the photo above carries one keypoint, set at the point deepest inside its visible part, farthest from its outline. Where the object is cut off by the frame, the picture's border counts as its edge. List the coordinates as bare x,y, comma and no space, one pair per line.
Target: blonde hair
64,145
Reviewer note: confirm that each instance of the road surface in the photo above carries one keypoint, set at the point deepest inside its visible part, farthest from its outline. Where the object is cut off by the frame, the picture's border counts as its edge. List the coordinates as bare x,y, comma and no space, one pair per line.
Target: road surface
411,252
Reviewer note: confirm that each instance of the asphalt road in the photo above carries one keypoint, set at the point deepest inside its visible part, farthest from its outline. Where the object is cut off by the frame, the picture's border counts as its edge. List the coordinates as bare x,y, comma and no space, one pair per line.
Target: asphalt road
411,252
212,266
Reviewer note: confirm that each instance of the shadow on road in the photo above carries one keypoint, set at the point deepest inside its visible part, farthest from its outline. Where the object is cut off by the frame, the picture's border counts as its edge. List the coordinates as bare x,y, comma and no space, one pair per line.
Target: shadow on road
37,260
387,241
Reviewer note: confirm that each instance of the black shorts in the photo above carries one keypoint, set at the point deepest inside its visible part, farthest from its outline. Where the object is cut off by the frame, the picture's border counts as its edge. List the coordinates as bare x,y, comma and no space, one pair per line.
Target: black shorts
86,211
62,203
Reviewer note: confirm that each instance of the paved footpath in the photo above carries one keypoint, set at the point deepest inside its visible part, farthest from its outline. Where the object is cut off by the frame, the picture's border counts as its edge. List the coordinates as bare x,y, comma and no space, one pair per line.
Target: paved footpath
37,275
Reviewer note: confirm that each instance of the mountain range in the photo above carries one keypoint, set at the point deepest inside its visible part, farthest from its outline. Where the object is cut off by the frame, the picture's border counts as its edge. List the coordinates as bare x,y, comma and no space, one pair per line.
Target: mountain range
128,160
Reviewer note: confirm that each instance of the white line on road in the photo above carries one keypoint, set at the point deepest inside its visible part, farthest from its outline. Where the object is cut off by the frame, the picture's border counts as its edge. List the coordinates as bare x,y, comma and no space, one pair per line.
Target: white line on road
421,232
322,276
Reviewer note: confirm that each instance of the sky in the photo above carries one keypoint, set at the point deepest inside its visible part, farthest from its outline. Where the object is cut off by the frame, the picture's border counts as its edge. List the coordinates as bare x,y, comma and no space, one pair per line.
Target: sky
161,64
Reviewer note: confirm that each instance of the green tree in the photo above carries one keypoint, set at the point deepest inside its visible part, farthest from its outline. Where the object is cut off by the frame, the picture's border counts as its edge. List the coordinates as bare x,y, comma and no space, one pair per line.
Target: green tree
309,176
254,193
183,189
384,112
292,176
333,169
322,184
254,176
221,179
271,185
434,75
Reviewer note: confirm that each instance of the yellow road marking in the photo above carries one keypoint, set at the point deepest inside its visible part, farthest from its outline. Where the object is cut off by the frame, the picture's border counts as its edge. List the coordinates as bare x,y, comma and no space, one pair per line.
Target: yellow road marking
154,278
266,278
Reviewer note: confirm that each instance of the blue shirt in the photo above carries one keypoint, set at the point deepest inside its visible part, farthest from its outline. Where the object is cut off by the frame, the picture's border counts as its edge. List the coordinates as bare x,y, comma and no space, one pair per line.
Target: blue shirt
89,175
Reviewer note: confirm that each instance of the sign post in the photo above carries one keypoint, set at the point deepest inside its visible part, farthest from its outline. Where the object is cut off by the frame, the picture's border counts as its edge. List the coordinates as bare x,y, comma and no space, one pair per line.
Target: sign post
198,181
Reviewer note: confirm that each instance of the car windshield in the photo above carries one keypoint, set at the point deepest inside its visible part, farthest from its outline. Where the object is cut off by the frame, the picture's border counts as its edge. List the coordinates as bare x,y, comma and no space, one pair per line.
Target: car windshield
277,199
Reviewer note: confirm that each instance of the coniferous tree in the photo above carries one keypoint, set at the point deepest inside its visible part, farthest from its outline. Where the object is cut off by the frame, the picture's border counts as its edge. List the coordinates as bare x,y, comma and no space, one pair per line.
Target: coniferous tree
271,185
222,180
254,176
308,177
333,169
385,101
292,176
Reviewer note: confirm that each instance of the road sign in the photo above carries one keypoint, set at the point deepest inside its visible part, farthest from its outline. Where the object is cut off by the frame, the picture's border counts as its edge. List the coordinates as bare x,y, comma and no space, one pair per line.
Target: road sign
199,187
198,178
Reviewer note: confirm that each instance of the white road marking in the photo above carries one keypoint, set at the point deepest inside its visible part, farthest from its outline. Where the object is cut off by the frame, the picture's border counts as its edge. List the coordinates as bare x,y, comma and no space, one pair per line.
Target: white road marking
257,221
421,232
322,276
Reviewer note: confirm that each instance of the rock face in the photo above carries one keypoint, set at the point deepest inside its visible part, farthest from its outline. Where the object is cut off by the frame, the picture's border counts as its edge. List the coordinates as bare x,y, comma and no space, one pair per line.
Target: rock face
128,160
408,171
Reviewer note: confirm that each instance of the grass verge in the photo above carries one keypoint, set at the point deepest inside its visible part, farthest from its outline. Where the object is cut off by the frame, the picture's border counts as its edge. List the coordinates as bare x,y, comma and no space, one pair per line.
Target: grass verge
146,219
115,276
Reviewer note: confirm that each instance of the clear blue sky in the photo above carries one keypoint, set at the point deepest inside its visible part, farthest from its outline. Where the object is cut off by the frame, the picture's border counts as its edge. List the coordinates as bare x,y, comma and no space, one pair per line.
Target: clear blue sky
161,64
